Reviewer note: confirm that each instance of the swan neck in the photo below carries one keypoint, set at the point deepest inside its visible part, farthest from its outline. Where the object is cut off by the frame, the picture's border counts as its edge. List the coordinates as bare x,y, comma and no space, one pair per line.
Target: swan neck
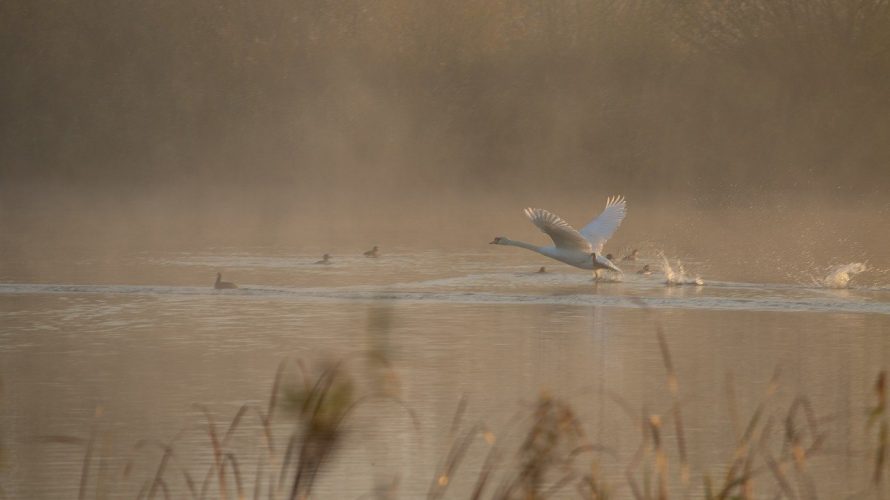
522,244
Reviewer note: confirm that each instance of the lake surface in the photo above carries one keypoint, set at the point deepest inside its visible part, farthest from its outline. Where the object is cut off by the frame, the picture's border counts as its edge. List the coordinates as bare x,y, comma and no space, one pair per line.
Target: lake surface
126,349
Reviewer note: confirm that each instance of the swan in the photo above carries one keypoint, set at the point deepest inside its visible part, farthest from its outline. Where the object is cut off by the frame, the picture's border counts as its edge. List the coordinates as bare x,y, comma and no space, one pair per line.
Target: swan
221,285
372,252
580,249
325,259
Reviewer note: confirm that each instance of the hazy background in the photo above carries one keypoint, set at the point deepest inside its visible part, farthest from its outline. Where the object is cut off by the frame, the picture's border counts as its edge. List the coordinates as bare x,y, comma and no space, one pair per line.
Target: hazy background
146,145
359,122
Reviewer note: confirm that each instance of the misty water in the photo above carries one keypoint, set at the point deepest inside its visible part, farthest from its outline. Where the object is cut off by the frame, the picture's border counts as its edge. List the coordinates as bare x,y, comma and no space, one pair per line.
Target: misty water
129,356
147,146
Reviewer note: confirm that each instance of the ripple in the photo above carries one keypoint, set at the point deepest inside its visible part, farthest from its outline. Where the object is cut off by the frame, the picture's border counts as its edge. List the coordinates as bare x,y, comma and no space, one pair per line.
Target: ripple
508,288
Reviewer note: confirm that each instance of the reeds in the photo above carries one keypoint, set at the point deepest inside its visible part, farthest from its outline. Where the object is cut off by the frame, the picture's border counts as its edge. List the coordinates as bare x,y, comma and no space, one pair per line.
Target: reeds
542,452
877,417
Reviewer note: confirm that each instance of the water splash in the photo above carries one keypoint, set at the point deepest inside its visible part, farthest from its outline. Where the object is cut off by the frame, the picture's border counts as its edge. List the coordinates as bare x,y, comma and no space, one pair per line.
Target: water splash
677,276
840,276
607,276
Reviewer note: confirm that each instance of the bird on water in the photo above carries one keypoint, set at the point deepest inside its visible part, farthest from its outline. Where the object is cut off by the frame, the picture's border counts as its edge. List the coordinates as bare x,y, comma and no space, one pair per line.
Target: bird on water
223,285
582,249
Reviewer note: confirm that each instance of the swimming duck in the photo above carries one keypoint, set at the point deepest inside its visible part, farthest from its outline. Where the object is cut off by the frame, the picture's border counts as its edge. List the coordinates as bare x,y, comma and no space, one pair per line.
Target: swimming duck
222,285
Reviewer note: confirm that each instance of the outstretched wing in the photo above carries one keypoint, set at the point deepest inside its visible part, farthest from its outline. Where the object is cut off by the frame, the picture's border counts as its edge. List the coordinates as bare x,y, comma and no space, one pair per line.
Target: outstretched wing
603,227
562,234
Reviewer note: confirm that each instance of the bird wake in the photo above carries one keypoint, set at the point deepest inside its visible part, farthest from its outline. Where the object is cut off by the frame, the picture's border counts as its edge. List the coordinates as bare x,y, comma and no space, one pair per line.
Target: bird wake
678,276
840,276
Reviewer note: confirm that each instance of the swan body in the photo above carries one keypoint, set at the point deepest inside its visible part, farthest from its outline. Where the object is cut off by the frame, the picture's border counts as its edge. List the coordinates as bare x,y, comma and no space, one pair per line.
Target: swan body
580,249
223,285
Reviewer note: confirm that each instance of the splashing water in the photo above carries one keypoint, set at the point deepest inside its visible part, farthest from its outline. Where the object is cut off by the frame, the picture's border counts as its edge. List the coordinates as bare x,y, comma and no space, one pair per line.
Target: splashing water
608,276
839,276
611,277
678,276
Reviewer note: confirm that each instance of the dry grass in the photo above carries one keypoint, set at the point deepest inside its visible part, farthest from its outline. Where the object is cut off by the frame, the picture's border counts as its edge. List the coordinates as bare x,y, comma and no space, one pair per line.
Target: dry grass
542,452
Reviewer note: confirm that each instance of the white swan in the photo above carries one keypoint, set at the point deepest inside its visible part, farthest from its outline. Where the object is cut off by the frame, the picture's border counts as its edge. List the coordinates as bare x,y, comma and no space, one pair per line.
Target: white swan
576,248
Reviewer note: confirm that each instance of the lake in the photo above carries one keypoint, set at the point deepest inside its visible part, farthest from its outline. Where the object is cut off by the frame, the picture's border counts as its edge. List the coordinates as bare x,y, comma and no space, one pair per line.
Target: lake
132,350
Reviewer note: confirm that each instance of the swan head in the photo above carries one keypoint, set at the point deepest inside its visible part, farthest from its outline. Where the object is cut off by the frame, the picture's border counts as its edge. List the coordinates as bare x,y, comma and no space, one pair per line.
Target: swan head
498,240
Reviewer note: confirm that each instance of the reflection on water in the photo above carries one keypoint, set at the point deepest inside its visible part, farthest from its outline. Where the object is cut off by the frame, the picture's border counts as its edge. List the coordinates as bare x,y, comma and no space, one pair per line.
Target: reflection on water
145,351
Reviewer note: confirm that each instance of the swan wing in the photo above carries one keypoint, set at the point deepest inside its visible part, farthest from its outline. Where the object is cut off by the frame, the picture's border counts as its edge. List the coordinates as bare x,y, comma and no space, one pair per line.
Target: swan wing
562,234
604,225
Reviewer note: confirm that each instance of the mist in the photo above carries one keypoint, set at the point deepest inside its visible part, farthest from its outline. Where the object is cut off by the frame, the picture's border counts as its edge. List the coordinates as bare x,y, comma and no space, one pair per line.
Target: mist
322,123
148,147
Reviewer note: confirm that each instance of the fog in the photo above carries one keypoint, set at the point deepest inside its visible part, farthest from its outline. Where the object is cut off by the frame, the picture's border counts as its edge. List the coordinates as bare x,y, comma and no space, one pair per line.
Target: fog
322,123
147,147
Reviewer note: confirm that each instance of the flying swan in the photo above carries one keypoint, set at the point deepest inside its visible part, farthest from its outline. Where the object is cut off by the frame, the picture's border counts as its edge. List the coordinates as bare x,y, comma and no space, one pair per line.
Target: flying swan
581,249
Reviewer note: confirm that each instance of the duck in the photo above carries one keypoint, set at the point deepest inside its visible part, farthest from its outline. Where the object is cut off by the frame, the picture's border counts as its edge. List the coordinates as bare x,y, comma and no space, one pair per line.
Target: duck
325,259
645,271
542,270
581,249
372,252
632,255
223,285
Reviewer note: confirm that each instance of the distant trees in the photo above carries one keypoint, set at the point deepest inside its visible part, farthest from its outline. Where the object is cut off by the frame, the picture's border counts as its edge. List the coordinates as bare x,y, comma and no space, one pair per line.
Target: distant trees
816,71
692,92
